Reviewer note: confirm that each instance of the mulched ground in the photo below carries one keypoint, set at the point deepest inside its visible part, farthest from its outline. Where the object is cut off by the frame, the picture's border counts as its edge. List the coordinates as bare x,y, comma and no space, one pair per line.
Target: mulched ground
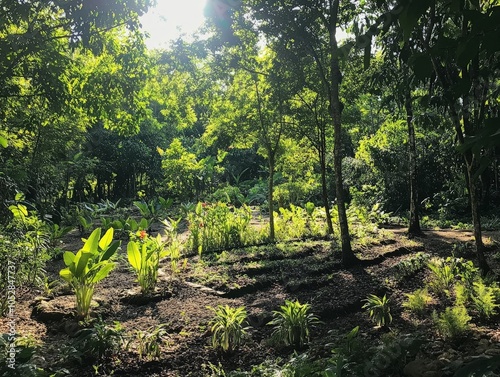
259,278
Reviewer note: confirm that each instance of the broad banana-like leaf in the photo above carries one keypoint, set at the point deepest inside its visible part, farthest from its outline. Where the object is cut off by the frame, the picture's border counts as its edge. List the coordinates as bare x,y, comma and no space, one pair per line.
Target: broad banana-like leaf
111,250
103,272
106,239
92,242
82,263
134,256
66,274
68,258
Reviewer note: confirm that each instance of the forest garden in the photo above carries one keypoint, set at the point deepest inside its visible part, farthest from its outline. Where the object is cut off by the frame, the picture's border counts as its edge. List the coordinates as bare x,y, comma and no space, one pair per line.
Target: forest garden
264,198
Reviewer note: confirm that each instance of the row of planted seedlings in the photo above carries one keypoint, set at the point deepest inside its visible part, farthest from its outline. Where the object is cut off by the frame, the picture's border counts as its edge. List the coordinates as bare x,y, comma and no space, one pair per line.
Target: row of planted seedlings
221,226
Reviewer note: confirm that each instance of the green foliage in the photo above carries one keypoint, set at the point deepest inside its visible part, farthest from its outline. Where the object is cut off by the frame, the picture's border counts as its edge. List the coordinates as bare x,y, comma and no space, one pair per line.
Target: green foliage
57,232
378,309
23,362
298,222
292,323
484,300
98,342
24,250
410,266
453,322
227,327
91,264
418,301
150,342
219,226
144,257
155,209
442,275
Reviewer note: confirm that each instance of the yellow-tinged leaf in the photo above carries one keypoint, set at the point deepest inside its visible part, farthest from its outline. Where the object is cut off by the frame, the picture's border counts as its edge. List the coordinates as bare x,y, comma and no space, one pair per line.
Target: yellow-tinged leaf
106,239
66,274
68,258
92,242
134,256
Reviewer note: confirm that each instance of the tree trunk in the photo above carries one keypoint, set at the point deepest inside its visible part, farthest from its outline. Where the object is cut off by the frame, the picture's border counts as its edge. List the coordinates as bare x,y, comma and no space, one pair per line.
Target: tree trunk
324,187
348,257
414,224
270,198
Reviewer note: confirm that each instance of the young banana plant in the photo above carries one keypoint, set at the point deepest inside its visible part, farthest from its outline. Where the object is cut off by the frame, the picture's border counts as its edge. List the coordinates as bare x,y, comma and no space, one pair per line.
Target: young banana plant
144,257
91,264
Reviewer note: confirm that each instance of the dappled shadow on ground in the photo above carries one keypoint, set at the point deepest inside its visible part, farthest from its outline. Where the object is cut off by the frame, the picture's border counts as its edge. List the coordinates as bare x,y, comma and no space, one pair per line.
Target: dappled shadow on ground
260,279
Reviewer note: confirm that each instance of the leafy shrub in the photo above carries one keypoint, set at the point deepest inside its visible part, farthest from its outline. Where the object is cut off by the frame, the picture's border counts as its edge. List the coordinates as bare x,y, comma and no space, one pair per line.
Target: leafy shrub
442,275
92,263
483,299
228,194
24,249
453,322
23,363
144,257
155,209
410,266
418,301
98,341
298,222
227,327
378,310
466,272
150,342
292,323
218,226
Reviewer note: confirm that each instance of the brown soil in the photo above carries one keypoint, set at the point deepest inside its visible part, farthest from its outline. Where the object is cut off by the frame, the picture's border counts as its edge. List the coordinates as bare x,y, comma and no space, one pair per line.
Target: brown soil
260,279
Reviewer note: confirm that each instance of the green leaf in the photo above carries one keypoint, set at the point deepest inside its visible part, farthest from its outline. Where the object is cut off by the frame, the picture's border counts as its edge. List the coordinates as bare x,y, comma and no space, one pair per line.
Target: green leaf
66,274
408,19
106,239
3,142
103,272
68,258
82,263
92,242
134,256
111,250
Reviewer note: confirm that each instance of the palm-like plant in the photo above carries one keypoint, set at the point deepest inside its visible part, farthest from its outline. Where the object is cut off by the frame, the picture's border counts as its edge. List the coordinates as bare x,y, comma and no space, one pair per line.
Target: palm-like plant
292,323
378,309
227,327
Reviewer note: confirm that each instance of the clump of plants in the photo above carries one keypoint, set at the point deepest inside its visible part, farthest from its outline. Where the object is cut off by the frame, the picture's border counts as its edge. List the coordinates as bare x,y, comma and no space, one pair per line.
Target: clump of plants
99,341
410,266
24,249
292,323
91,264
144,256
484,300
418,301
219,226
150,341
453,322
378,309
442,275
227,327
297,222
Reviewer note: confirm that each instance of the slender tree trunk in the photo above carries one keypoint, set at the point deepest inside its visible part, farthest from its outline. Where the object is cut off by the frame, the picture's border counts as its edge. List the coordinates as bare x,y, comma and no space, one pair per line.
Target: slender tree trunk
270,197
324,187
348,257
414,224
